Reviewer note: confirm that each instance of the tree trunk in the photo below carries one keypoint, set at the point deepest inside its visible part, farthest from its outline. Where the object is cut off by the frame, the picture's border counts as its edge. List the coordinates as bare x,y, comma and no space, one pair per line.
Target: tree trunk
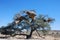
32,30
29,36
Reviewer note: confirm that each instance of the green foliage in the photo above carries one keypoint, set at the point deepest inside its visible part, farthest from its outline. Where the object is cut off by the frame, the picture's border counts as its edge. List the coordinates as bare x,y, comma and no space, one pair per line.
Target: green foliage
40,22
44,26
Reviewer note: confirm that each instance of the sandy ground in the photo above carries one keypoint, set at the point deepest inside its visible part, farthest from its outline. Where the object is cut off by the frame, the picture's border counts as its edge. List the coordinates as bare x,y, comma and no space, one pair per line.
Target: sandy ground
35,36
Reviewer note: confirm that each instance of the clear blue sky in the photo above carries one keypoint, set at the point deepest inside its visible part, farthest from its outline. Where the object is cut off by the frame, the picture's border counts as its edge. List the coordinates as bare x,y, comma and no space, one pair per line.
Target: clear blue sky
8,8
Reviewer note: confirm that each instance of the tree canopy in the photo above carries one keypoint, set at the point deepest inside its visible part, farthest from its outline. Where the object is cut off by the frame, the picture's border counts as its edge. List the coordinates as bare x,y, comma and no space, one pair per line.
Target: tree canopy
28,22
